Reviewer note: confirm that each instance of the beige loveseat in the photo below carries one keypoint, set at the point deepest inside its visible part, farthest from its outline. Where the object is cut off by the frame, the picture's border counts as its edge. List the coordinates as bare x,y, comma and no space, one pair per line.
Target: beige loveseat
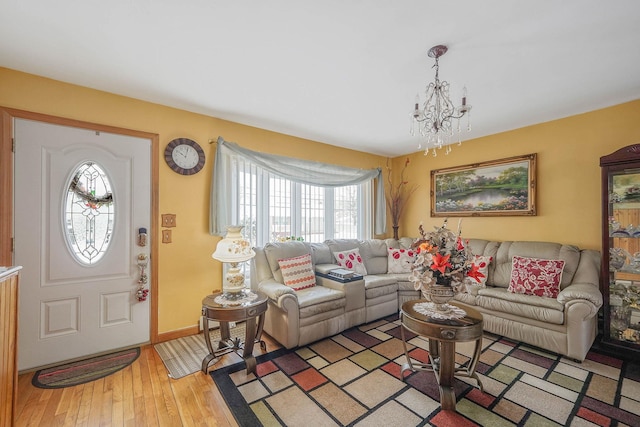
566,325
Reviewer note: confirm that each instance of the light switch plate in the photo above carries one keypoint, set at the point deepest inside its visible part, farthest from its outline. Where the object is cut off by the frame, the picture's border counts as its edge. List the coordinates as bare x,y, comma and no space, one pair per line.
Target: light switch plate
168,220
166,236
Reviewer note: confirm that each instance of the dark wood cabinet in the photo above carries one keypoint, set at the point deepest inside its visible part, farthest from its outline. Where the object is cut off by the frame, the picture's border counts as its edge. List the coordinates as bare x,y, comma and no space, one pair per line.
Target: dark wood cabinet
620,284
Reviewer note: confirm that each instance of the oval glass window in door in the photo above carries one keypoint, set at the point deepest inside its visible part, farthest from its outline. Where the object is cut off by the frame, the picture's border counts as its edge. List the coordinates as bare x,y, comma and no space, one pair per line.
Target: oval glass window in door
89,213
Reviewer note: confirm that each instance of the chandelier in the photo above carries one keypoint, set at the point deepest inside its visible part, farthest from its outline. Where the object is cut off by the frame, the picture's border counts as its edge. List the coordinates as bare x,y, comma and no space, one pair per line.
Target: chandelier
434,118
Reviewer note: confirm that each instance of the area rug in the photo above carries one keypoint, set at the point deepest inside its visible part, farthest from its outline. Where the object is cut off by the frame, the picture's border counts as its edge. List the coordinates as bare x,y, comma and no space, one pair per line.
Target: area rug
84,371
354,379
183,356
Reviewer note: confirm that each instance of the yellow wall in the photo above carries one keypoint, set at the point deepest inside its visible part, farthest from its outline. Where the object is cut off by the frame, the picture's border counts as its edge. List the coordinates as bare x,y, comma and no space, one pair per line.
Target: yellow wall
568,177
187,272
568,192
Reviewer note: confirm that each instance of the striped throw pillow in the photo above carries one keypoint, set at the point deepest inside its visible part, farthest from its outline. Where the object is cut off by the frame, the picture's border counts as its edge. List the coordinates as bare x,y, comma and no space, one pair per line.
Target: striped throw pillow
298,272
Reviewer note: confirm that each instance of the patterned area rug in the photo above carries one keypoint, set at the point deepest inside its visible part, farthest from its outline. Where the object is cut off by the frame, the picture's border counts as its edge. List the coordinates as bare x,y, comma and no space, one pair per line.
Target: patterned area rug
83,371
354,379
183,356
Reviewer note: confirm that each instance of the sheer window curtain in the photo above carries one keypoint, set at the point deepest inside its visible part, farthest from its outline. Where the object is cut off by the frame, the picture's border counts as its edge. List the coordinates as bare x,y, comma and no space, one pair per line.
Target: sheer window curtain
302,171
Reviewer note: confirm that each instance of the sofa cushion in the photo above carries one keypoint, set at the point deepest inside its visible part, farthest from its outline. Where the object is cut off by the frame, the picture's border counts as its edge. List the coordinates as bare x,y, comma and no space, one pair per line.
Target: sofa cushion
376,286
530,306
351,260
404,285
543,250
533,276
339,245
297,272
400,260
468,298
374,255
321,254
320,295
401,243
373,252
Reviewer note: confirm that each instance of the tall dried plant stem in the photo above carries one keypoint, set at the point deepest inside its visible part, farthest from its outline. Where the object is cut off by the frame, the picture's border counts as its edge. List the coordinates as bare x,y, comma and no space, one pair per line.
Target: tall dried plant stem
398,194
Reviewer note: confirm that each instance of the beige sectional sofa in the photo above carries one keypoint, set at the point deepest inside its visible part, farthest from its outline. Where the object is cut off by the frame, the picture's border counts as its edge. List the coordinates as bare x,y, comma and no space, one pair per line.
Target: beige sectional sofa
566,325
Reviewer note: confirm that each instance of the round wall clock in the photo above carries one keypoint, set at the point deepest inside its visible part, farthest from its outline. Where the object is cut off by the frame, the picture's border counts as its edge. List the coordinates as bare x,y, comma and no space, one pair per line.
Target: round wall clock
184,156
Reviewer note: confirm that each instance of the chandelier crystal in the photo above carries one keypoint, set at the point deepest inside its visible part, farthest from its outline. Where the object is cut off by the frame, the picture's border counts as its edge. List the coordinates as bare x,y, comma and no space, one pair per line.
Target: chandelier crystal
433,120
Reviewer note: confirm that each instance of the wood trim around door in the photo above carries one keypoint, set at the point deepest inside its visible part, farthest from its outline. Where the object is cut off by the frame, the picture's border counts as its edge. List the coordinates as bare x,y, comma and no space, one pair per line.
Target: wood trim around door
6,189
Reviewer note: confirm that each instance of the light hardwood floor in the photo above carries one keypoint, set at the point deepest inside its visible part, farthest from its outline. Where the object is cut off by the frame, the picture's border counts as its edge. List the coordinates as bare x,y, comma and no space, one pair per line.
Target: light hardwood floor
140,395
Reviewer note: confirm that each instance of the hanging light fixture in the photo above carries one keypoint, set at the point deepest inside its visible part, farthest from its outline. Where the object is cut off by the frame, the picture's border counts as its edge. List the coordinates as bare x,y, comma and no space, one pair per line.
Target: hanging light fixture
434,118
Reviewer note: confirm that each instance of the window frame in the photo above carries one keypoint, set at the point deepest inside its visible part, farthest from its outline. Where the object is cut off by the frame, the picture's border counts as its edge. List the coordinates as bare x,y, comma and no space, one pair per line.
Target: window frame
259,204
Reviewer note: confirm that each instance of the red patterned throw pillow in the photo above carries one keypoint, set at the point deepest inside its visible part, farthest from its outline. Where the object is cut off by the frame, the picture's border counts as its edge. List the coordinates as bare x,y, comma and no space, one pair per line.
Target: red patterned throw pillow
533,276
351,260
298,272
400,260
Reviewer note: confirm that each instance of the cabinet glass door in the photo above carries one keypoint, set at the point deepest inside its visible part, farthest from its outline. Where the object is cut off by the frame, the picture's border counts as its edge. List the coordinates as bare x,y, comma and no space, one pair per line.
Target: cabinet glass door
622,312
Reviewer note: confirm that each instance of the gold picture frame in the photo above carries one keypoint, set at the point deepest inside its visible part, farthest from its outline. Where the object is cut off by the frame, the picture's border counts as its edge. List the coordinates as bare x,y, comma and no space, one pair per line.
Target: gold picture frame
504,187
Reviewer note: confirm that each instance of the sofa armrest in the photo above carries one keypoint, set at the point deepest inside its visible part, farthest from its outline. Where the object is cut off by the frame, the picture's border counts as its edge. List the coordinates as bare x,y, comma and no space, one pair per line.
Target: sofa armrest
581,291
353,290
326,268
274,290
330,283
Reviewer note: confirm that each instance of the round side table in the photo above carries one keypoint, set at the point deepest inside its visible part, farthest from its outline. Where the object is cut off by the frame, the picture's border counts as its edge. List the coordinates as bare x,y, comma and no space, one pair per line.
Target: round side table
443,335
248,309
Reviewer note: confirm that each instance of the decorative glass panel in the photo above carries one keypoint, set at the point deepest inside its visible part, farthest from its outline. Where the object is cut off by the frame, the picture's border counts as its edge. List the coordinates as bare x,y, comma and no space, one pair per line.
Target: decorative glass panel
89,213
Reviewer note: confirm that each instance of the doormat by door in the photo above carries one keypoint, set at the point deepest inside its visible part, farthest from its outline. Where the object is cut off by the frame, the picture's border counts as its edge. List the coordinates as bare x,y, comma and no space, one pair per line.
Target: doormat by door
183,356
84,371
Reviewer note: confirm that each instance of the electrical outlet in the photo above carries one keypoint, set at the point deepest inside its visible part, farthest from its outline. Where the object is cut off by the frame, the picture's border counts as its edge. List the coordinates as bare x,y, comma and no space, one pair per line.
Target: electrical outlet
166,236
169,220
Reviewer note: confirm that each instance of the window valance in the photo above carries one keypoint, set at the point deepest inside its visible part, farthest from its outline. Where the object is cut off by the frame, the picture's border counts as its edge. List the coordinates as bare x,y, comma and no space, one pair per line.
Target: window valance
297,170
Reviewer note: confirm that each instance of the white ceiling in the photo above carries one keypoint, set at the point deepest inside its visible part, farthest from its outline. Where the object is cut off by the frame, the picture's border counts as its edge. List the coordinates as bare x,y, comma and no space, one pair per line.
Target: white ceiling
344,72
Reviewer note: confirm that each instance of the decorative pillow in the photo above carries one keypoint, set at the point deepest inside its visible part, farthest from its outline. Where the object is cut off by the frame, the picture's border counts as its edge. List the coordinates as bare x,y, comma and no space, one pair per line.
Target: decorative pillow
351,260
298,272
400,260
533,276
482,262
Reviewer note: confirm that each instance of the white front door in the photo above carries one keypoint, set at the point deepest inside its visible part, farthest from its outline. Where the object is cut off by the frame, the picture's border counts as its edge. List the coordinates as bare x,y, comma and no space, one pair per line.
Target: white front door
80,198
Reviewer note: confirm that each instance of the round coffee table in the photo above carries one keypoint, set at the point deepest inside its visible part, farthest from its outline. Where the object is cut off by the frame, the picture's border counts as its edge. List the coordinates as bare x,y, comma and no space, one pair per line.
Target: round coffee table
443,335
216,307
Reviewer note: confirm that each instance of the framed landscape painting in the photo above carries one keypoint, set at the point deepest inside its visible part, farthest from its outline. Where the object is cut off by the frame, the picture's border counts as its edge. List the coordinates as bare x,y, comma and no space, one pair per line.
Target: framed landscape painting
502,187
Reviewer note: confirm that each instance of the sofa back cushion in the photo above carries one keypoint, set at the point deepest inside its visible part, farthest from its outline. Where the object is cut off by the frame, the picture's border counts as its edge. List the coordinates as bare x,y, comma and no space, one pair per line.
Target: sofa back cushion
542,250
375,255
401,243
321,254
373,252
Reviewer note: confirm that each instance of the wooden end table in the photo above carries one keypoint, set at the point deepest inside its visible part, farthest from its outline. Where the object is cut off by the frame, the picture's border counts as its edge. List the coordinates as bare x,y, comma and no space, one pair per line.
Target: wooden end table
443,335
225,312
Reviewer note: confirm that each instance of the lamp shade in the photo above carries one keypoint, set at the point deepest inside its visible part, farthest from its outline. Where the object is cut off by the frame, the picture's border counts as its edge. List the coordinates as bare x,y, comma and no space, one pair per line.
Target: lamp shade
233,248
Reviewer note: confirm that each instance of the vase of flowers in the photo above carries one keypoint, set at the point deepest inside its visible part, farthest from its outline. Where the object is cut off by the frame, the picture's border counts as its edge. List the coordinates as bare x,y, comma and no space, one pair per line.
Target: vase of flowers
443,266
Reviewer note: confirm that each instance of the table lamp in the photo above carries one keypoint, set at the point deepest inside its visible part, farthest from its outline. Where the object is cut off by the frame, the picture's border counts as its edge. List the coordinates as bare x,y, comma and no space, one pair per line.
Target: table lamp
233,249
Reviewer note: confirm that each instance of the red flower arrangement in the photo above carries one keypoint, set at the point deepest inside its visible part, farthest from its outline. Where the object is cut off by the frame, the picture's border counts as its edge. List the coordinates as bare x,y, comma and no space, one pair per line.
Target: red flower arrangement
443,259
